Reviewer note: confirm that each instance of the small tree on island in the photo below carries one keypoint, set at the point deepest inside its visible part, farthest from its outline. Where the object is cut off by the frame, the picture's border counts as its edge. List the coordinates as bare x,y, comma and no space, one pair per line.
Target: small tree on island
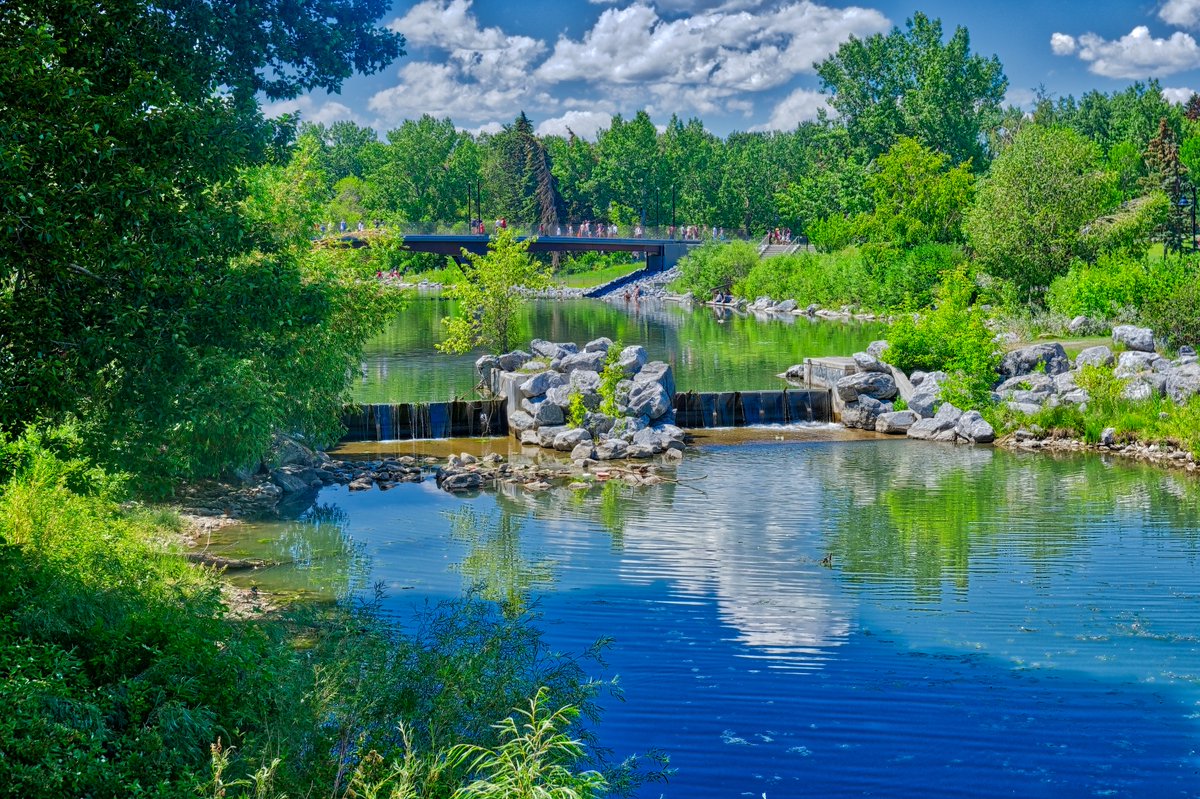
491,293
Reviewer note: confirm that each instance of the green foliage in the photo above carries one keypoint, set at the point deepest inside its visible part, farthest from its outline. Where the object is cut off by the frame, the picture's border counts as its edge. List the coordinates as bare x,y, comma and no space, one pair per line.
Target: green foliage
1130,229
919,198
715,266
576,410
1114,286
1174,313
953,338
911,83
610,376
831,233
490,294
536,758
1042,188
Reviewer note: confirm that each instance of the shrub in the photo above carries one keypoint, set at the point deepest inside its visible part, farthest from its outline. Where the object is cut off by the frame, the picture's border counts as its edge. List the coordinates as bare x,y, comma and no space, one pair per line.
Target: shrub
831,233
953,338
1113,286
1174,315
715,266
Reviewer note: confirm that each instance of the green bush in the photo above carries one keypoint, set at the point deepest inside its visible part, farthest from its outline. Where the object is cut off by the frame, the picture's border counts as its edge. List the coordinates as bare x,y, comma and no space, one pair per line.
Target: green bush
1115,285
831,233
953,338
1174,314
715,266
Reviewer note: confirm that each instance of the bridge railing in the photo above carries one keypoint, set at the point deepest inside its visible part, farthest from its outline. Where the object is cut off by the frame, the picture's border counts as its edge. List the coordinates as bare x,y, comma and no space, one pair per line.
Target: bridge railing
593,230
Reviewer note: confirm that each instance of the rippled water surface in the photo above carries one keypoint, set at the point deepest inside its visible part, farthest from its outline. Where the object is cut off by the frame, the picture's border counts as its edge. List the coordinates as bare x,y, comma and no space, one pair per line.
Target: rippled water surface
988,624
708,350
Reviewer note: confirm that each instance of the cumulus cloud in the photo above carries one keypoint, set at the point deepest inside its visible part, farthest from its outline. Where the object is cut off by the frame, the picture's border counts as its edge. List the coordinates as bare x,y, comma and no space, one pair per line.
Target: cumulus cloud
801,105
585,124
1062,43
311,111
1177,94
1181,13
1138,54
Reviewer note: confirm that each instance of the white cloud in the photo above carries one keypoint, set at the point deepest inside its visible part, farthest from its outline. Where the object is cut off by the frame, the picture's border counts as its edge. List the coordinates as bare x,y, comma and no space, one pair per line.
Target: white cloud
1177,94
1138,54
310,110
801,105
585,124
1062,44
1181,13
1021,98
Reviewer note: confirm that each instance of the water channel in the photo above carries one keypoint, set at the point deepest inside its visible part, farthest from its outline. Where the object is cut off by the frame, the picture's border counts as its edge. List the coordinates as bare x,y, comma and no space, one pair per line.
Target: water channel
815,616
708,350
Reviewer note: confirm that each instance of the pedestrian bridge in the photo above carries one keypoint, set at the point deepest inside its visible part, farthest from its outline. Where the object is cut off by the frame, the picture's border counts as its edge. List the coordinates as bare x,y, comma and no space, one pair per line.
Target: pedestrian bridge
661,254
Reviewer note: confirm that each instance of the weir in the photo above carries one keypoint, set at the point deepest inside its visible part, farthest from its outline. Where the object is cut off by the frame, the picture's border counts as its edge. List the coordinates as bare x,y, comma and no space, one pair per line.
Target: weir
744,408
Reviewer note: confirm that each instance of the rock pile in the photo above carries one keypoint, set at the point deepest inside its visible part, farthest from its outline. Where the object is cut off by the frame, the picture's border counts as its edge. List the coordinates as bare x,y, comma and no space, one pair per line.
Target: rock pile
544,385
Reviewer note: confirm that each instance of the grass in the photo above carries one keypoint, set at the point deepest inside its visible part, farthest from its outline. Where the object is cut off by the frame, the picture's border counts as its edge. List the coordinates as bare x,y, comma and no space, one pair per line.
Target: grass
598,277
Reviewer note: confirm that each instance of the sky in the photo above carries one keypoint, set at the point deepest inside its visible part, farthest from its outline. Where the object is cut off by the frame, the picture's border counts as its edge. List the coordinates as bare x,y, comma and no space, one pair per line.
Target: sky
736,64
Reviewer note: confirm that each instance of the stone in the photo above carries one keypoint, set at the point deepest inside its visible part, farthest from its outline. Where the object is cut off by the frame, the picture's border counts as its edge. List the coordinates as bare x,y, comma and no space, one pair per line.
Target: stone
601,344
460,481
1108,436
1140,339
812,309
934,429
296,479
583,451
589,361
512,361
1094,356
1079,325
544,412
520,421
877,347
1065,382
972,427
632,359
612,449
649,399
538,385
1134,362
639,451
1034,382
546,349
625,426
1187,352
648,437
1027,408
567,440
864,412
1049,358
787,306
1078,396
866,362
598,423
530,437
669,432
923,403
290,452
1183,383
895,422
871,384
658,372
1137,390
560,396
360,484
485,364
546,435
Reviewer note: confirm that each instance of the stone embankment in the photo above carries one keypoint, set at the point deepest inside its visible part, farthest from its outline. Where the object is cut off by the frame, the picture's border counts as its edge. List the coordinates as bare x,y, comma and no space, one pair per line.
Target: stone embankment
556,400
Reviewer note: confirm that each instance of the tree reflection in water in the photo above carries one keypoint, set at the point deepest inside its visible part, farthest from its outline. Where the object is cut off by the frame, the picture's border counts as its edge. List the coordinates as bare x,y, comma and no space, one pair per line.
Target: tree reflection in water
494,564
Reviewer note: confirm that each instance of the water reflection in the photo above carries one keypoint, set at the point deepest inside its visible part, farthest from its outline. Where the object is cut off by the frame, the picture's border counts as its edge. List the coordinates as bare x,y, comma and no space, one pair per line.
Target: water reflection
494,564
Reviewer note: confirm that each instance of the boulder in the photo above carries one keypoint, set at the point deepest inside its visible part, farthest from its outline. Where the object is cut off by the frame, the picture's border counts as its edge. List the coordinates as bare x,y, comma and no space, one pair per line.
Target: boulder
1108,436
1137,389
539,384
924,403
1034,382
584,381
648,437
520,421
639,451
1065,382
1134,362
935,429
871,384
544,412
1076,396
566,440
546,349
598,423
877,347
866,362
460,481
626,426
560,396
1079,325
1183,383
1187,352
1094,356
612,449
1050,358
649,399
296,479
530,437
787,306
895,422
485,365
287,451
512,361
1140,339
864,412
972,427
1027,408
583,451
601,344
547,434
928,381
632,360
660,373
589,361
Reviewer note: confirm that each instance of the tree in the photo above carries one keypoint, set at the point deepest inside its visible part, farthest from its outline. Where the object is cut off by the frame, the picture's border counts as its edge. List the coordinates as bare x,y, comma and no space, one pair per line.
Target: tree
1042,189
1167,174
910,83
520,176
135,293
919,199
427,173
491,295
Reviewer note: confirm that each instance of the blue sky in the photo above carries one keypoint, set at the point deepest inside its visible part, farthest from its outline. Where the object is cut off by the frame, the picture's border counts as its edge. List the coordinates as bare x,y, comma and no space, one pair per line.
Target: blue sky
736,64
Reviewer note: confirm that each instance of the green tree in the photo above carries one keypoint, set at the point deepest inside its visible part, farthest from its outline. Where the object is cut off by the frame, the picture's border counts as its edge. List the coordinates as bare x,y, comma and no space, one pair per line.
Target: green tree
1042,189
520,176
426,174
1167,174
134,293
491,293
910,83
919,199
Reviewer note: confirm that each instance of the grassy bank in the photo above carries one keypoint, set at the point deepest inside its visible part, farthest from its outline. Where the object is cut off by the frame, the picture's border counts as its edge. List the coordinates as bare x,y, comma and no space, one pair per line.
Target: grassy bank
123,674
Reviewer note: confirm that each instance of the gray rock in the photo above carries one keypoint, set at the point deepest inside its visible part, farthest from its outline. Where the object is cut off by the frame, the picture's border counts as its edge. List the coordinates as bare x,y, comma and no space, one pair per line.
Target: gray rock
530,437
1065,382
877,347
1108,436
1136,338
485,364
520,421
1137,389
546,435
1029,397
639,451
538,385
296,479
669,432
812,309
866,362
588,361
649,399
932,429
512,361
612,449
660,373
460,481
582,450
546,349
632,360
625,426
972,427
1075,397
601,344
1035,382
585,381
648,437
787,306
896,422
544,412
871,384
1079,325
598,423
1094,356
1187,352
287,451
1134,362
923,403
864,412
1183,383
1027,408
569,438
1051,358
560,396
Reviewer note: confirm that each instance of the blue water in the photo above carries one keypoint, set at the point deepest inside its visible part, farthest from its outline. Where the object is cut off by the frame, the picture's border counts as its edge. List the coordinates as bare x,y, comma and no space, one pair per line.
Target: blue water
990,625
